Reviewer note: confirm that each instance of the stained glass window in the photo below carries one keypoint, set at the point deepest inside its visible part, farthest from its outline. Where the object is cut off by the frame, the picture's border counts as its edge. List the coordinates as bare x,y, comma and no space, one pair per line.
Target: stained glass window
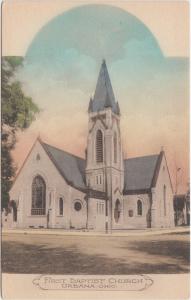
38,196
61,207
139,208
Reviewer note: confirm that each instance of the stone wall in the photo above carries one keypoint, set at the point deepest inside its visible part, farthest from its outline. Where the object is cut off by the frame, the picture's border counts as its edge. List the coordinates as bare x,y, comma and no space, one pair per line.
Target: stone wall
131,219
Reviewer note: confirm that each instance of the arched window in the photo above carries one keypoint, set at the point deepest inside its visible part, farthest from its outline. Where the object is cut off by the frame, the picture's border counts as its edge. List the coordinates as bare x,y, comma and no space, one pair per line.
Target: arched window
115,147
164,199
38,196
139,208
117,210
99,146
61,207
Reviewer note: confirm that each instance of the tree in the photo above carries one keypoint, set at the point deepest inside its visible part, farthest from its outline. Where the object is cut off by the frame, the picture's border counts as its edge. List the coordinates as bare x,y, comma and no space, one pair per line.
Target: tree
18,111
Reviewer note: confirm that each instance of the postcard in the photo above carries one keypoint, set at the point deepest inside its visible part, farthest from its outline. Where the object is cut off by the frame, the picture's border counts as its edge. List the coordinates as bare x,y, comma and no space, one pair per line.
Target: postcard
95,149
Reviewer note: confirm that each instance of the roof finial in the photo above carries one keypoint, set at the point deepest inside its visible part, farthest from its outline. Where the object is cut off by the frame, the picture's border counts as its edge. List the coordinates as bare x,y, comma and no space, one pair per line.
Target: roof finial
117,109
90,107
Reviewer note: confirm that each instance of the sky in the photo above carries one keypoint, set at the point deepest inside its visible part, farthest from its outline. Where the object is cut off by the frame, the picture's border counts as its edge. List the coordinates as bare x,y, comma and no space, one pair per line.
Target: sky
150,83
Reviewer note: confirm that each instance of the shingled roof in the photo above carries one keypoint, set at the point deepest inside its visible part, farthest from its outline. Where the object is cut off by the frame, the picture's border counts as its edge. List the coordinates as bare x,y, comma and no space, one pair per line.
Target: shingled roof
104,96
71,167
141,173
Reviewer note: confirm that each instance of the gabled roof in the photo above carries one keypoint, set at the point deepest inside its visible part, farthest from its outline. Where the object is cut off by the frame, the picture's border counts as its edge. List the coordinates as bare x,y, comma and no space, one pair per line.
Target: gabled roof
71,167
104,96
140,173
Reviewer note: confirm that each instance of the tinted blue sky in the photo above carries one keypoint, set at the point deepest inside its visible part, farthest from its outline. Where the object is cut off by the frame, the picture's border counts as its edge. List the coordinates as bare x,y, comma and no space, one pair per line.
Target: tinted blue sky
61,70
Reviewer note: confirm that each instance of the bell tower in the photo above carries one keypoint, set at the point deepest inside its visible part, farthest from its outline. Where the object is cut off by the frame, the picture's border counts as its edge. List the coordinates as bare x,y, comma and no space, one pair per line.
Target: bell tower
105,169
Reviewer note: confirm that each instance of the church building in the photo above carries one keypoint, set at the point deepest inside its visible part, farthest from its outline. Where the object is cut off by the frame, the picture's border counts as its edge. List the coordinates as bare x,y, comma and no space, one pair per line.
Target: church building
103,192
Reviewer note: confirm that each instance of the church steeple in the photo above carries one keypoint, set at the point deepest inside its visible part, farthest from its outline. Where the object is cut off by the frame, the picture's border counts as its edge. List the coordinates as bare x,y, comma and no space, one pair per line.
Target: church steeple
105,164
104,96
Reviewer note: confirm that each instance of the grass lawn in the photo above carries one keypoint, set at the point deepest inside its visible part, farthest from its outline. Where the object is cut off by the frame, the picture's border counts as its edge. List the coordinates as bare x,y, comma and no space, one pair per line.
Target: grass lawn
55,254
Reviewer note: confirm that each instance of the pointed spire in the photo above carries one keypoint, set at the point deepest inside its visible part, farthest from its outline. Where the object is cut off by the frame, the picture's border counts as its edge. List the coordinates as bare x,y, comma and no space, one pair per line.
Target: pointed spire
107,101
90,107
104,62
104,92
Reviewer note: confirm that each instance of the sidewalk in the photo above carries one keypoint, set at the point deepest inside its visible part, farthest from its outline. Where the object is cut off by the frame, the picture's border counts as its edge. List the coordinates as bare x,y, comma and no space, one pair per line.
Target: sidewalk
128,232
